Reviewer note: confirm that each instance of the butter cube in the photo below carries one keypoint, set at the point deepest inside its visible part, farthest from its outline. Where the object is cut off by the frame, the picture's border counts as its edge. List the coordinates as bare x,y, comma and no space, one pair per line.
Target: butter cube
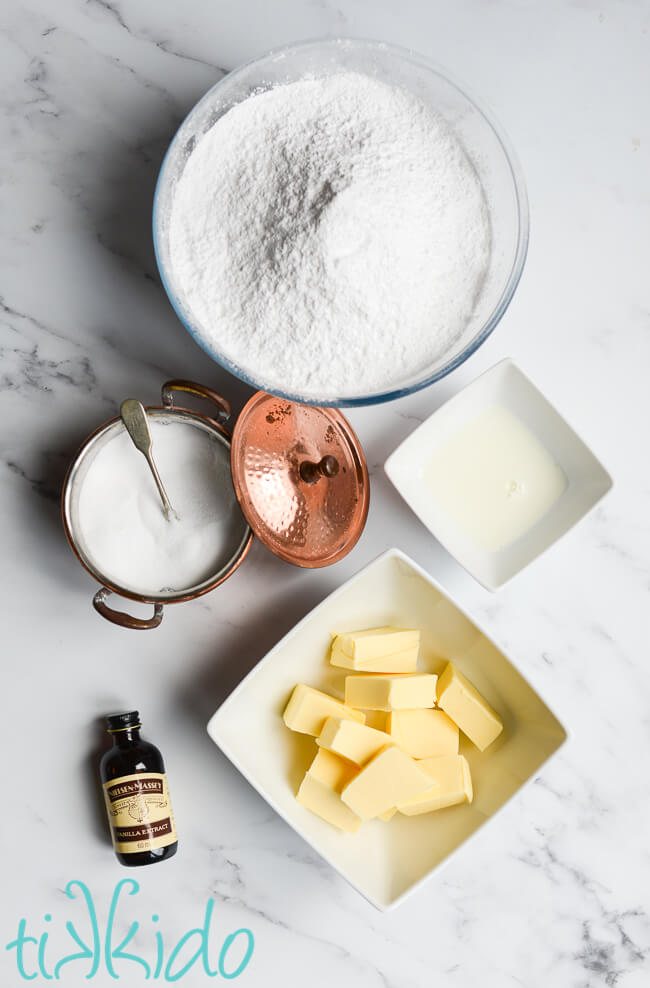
386,692
354,652
452,774
388,779
332,771
376,719
374,643
423,733
425,802
452,784
321,787
388,815
356,742
467,708
308,709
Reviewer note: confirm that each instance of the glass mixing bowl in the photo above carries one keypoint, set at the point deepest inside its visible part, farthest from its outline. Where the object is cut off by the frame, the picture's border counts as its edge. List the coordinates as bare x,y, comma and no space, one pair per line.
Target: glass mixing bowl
485,144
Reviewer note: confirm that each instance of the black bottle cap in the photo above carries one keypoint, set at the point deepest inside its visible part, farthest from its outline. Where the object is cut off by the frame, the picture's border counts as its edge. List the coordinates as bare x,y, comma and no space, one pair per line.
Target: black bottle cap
122,722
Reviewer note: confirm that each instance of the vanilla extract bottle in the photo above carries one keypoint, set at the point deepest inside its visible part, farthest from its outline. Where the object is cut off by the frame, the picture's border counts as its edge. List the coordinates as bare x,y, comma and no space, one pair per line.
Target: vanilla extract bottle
136,795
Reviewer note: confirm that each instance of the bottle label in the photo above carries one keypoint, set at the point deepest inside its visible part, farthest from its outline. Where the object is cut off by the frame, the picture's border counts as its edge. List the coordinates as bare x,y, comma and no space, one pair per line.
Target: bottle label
140,812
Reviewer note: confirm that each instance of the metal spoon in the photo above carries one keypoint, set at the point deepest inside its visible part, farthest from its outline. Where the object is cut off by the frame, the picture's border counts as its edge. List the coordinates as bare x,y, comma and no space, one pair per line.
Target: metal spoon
134,417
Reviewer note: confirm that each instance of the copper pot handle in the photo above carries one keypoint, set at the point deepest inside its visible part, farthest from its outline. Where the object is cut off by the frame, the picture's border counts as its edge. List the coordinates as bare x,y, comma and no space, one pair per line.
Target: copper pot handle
121,618
200,391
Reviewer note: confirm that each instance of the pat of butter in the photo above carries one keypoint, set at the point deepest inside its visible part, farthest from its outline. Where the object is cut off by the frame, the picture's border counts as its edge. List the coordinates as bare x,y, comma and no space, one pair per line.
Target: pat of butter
423,733
374,643
308,709
452,784
332,771
356,742
404,661
376,719
397,692
321,787
467,708
390,778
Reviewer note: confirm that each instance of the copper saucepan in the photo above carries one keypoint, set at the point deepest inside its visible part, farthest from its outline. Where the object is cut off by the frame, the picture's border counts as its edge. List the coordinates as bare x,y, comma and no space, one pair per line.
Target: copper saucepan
72,485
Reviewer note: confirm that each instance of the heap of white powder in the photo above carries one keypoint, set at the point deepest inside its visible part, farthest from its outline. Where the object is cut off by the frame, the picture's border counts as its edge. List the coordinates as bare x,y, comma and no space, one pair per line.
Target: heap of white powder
121,523
330,236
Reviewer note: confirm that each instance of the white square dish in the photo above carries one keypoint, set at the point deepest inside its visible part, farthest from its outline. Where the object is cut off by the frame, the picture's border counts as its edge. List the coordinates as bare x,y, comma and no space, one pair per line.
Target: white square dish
505,386
385,861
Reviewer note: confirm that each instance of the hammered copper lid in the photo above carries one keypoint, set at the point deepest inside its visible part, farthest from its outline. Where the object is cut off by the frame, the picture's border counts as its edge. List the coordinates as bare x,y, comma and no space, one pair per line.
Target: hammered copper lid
301,479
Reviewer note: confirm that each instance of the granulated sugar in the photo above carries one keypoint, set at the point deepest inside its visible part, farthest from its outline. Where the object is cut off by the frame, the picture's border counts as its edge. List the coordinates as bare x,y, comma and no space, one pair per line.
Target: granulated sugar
330,236
123,529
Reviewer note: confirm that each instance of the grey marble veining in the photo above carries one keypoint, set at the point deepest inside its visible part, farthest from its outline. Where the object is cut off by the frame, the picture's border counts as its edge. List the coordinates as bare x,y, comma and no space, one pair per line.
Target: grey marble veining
556,891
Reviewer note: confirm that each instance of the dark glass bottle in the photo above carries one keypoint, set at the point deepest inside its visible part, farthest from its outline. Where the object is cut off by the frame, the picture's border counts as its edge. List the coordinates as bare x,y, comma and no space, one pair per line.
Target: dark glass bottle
136,794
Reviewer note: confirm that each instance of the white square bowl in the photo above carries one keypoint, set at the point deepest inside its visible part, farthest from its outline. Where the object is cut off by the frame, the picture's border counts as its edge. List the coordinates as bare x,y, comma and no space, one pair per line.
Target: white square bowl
505,385
385,861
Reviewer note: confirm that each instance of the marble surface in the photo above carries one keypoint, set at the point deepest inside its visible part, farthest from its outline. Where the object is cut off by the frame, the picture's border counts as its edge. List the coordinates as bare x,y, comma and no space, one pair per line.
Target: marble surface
555,891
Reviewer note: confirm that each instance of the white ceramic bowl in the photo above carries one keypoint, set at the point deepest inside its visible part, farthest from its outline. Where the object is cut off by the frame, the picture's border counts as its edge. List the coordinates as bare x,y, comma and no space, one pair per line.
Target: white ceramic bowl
504,385
385,861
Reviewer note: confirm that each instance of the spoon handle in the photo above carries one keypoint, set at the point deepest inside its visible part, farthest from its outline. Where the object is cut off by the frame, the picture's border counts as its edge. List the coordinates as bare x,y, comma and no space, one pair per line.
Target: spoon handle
134,417
167,508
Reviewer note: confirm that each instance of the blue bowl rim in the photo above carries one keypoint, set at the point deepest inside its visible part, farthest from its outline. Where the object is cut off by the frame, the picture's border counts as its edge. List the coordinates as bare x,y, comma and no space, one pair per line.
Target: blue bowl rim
510,287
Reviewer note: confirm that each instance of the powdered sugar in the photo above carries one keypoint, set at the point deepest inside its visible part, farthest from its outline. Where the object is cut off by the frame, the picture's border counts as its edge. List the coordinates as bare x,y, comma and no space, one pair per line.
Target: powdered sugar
330,236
